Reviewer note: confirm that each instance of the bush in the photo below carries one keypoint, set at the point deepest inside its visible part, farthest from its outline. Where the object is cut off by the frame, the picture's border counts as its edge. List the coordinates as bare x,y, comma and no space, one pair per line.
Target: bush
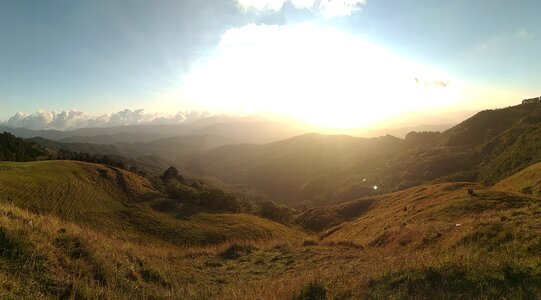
182,192
309,243
207,197
153,276
449,280
170,174
236,251
348,244
315,290
275,212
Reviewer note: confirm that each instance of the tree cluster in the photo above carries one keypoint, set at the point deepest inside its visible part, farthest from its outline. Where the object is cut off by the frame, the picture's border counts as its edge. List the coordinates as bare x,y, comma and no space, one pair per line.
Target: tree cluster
199,194
91,158
276,212
13,148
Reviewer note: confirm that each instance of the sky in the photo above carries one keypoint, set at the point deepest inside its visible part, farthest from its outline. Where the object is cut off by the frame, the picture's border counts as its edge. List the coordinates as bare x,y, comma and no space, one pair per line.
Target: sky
332,63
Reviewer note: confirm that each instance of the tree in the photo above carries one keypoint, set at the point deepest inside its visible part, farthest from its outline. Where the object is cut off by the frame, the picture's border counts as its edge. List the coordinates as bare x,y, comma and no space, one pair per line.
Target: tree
171,173
13,148
278,213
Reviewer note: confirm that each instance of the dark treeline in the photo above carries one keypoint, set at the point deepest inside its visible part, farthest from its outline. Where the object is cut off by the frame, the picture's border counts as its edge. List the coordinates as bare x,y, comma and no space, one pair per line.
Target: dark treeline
13,148
91,158
216,199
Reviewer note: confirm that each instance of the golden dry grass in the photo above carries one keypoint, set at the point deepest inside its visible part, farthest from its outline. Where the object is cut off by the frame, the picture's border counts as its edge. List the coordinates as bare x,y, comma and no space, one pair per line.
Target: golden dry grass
406,245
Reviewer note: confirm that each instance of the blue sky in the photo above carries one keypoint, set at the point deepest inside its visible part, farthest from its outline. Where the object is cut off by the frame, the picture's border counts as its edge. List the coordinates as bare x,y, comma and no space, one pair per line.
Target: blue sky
104,56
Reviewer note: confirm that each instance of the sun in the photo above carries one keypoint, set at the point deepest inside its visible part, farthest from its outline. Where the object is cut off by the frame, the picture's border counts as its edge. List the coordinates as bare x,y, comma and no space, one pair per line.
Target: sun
318,75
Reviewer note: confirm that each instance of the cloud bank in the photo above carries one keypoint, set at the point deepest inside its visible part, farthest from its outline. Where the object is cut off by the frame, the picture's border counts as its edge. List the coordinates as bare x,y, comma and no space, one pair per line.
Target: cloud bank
73,119
327,8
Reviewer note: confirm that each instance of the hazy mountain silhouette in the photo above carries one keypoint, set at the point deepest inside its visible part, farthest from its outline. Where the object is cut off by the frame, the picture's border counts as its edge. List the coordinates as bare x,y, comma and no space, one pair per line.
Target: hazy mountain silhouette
485,148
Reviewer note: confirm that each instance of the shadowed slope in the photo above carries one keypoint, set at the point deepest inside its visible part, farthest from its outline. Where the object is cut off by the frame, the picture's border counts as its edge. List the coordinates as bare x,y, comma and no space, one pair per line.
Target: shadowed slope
111,200
527,182
430,216
310,167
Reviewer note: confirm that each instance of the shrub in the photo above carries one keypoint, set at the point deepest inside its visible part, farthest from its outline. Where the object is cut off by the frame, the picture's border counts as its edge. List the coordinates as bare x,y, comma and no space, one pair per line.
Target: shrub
153,276
235,251
207,197
315,290
309,243
275,212
348,244
170,174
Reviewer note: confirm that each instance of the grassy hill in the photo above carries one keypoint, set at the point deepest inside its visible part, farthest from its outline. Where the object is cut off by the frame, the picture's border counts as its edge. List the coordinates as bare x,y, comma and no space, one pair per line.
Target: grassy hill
69,188
409,218
490,146
527,182
443,242
315,169
78,230
116,202
318,169
399,245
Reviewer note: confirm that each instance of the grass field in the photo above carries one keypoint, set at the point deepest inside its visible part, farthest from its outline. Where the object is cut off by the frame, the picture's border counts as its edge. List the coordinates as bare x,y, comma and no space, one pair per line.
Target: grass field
527,182
112,201
427,242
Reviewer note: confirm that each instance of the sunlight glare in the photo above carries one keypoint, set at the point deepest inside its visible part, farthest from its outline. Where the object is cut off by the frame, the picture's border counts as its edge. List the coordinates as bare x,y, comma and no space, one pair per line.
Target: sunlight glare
318,75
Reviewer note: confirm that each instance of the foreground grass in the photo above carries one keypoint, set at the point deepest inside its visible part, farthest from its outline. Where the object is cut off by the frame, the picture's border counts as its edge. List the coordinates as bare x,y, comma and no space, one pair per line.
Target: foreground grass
402,245
54,259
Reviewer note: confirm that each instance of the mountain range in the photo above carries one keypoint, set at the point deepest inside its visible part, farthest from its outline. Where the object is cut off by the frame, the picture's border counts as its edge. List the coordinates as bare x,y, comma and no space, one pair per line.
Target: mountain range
321,169
451,214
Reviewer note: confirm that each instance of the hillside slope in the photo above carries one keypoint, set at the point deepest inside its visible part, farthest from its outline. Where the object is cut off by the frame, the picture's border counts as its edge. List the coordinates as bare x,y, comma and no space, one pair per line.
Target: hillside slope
437,241
310,167
489,146
400,245
319,169
527,182
113,201
424,215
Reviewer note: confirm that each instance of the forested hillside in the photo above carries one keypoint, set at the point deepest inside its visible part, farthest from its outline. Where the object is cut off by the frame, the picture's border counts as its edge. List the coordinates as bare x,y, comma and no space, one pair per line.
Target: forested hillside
320,169
13,148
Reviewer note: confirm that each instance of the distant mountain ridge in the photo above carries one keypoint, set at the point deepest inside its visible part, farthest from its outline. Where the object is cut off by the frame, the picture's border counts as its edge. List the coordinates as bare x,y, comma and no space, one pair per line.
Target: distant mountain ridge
317,169
487,147
238,129
74,230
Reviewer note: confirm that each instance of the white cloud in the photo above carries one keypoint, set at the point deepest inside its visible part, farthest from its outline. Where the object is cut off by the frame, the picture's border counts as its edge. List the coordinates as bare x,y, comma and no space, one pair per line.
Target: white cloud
303,4
524,33
327,8
332,8
274,5
73,119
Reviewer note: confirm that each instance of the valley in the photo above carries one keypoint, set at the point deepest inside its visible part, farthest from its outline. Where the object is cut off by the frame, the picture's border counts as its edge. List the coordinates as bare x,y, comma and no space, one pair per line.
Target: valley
80,229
